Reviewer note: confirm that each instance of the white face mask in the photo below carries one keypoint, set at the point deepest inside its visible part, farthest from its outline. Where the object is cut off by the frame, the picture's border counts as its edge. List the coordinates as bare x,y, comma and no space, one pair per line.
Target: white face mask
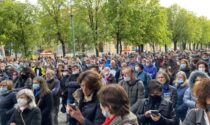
22,102
201,69
75,72
137,68
127,79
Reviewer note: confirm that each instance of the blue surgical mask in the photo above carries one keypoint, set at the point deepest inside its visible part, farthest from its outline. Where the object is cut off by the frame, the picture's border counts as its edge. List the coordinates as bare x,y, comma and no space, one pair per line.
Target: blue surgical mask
183,66
105,114
36,86
180,81
3,90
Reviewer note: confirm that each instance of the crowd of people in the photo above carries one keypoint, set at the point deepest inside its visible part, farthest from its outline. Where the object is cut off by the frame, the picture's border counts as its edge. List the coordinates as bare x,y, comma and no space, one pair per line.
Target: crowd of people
130,89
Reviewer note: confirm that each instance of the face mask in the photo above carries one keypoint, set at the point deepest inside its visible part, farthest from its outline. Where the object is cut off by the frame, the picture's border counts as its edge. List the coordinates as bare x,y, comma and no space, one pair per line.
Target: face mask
180,81
65,73
208,107
36,86
105,114
147,64
183,66
3,90
202,69
106,73
136,68
22,102
127,79
75,72
155,98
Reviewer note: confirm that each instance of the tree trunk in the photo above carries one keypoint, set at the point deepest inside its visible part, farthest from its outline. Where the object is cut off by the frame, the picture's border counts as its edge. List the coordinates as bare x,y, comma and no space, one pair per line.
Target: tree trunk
97,52
62,43
175,45
120,46
183,46
190,46
166,48
142,47
153,47
118,42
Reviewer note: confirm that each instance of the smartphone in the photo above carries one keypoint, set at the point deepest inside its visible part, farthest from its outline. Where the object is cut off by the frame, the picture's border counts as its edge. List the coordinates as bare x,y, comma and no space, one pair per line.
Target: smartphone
73,106
155,112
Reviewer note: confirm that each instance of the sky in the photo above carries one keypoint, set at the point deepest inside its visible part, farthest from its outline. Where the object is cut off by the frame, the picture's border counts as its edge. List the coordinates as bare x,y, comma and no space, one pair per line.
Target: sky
199,7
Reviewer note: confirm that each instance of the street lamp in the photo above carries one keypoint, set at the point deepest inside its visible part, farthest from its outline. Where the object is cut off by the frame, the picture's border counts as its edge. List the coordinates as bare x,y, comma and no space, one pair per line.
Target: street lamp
72,27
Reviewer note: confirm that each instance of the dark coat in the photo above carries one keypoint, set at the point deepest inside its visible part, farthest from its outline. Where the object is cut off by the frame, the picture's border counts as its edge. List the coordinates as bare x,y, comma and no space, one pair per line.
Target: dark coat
72,85
7,102
91,111
195,117
181,107
165,108
30,117
45,104
170,94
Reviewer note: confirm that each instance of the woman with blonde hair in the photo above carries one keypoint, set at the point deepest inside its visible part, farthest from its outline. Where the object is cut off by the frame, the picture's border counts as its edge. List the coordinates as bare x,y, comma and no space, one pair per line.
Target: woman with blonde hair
26,111
181,86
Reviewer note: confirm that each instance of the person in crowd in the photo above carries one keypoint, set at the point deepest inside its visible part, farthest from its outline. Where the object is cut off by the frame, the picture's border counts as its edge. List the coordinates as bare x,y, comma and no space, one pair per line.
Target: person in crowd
54,86
185,67
195,78
3,74
169,92
133,87
155,110
150,68
44,99
108,76
181,86
7,101
201,114
203,66
86,110
64,90
24,80
38,70
71,83
114,104
26,111
115,71
143,76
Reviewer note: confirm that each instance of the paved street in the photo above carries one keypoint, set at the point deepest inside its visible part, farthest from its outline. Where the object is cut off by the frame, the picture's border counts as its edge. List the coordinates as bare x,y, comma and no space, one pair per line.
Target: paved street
61,118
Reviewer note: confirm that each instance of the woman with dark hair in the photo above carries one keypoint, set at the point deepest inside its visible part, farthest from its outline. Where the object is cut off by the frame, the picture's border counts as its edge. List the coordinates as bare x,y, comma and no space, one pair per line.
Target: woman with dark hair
86,109
203,67
169,92
201,114
114,104
44,99
155,110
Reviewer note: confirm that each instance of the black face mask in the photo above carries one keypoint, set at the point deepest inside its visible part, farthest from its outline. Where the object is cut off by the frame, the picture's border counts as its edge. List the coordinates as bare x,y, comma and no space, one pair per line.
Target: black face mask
208,107
155,99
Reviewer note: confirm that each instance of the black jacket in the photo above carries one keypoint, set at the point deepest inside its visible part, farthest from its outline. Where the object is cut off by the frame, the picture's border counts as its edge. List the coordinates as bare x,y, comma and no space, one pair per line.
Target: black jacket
29,116
168,116
91,112
45,104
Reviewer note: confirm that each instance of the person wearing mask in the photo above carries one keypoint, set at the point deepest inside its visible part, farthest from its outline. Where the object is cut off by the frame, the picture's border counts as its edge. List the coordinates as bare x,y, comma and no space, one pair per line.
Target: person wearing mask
185,67
71,82
86,110
169,92
181,86
133,87
114,104
150,68
155,110
108,77
54,86
115,71
24,80
26,111
203,66
195,78
44,99
7,101
143,76
201,114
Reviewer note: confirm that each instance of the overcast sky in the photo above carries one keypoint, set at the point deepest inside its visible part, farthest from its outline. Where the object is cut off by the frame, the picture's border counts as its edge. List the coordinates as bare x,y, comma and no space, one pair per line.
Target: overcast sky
199,7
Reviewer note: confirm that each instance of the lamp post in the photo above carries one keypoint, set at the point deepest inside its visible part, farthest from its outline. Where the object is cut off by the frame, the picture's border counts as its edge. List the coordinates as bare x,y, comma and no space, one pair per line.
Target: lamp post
72,27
